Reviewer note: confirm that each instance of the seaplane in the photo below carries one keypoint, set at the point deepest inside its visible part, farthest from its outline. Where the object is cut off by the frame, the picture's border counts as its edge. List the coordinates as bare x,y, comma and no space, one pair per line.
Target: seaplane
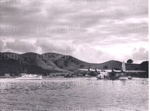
113,74
122,74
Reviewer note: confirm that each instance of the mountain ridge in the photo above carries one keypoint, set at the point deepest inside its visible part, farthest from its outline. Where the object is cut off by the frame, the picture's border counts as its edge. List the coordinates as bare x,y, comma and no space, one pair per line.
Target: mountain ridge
47,63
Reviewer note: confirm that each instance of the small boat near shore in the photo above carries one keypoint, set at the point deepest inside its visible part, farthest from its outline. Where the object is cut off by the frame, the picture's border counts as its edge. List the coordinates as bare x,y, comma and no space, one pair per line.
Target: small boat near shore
125,77
30,77
129,77
102,75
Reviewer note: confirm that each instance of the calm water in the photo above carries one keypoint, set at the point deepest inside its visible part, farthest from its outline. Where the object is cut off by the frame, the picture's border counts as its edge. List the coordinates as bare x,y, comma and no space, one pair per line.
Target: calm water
73,94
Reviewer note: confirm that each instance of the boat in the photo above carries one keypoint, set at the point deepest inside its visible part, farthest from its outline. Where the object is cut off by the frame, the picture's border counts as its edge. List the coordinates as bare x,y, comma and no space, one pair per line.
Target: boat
99,77
129,77
87,75
125,77
30,77
102,75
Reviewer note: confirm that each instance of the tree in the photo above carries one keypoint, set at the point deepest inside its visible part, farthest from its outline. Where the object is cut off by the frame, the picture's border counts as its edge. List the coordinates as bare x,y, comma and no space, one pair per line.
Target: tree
81,66
105,67
129,61
144,66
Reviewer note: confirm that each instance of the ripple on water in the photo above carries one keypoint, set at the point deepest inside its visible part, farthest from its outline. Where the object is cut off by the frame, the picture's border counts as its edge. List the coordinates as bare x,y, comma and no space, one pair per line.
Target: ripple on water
76,94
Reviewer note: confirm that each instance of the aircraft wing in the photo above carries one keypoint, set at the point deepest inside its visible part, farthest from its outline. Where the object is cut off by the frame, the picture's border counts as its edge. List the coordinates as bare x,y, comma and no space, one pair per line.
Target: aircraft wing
108,70
127,71
89,70
83,69
134,71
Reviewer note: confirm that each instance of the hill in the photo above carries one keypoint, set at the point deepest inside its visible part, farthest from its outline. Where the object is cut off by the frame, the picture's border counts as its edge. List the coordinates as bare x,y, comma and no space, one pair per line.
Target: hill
52,56
66,61
71,63
9,63
47,63
29,63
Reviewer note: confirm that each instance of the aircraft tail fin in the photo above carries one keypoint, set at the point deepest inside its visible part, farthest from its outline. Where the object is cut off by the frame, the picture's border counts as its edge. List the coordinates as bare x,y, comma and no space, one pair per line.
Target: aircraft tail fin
123,66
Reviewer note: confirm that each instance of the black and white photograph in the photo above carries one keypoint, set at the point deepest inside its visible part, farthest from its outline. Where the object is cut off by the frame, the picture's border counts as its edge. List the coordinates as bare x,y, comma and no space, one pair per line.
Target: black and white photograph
74,55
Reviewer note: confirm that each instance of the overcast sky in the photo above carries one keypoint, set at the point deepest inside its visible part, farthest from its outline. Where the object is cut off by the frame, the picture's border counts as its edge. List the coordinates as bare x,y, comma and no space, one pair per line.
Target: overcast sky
91,30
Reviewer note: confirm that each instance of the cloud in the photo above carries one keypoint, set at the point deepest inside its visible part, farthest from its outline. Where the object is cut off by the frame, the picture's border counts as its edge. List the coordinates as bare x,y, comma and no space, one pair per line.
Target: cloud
20,46
140,54
28,15
1,45
102,27
88,53
57,46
